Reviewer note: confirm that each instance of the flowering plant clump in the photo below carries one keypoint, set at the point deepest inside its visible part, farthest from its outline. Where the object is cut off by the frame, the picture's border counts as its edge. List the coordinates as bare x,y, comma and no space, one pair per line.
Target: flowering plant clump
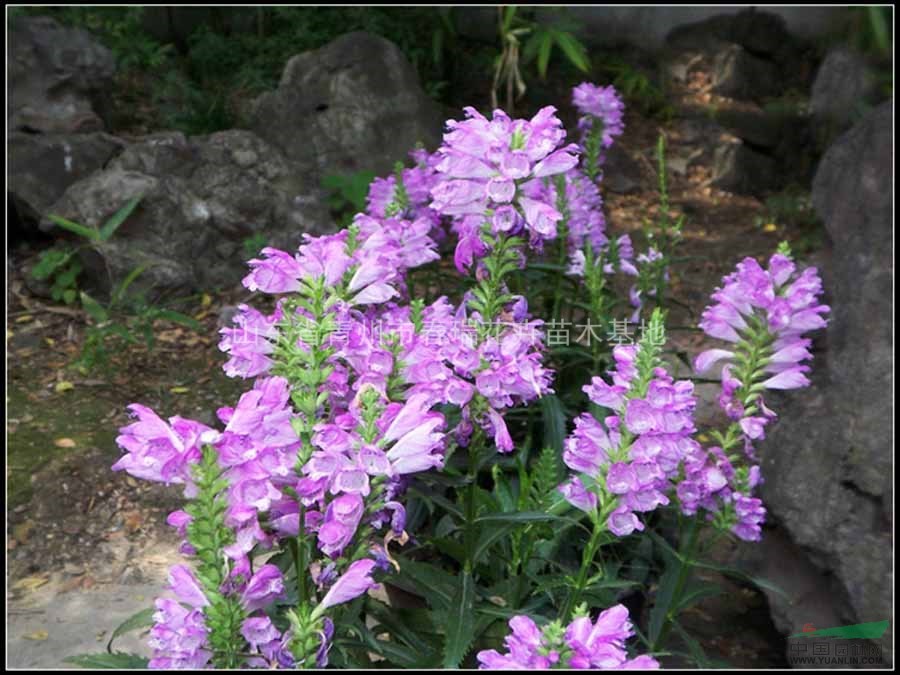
392,440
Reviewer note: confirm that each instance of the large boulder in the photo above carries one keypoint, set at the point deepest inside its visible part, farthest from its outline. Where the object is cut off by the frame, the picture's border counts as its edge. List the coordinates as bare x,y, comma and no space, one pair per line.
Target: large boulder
203,199
844,87
352,105
753,54
57,77
829,462
40,167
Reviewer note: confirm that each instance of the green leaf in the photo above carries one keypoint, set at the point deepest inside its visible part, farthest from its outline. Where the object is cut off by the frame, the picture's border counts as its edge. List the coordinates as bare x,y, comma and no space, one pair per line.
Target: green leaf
81,230
697,653
543,54
433,583
759,582
460,623
179,318
93,308
119,292
554,422
574,50
116,660
509,14
520,517
110,226
696,594
488,537
663,603
142,619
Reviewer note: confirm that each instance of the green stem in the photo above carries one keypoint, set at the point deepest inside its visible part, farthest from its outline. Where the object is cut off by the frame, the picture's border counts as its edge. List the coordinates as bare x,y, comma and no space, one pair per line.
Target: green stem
587,560
470,496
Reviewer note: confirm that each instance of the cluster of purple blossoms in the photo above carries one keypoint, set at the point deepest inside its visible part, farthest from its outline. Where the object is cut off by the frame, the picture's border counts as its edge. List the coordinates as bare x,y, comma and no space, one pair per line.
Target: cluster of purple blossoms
584,218
161,452
773,305
582,645
599,106
416,182
485,162
712,483
634,456
764,313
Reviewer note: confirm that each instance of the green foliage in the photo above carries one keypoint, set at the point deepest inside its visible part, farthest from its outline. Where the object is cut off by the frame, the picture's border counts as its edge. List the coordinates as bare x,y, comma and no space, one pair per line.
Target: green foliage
254,244
126,315
60,265
515,25
347,194
637,88
104,661
663,236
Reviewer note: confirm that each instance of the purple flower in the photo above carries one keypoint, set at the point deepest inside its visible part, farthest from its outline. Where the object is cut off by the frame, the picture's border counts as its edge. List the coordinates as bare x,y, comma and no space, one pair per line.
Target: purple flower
264,587
178,637
158,451
623,522
575,493
352,583
280,272
586,645
259,630
183,583
599,105
342,517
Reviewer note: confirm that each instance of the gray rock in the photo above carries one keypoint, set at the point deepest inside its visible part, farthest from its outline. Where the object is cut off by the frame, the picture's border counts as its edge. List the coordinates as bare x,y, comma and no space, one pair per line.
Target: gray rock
739,74
762,33
737,168
202,198
57,77
354,104
41,166
829,462
843,87
755,125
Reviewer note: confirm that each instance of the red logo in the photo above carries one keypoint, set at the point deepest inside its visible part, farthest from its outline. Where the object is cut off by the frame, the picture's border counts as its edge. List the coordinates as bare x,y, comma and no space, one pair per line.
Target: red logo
808,628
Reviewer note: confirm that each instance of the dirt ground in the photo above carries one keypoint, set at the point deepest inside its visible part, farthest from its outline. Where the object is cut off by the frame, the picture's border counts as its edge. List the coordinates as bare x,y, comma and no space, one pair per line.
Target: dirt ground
87,547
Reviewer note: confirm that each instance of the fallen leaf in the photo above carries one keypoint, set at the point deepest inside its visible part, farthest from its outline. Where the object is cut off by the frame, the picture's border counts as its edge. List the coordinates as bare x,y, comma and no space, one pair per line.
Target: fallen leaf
64,443
37,635
179,390
60,387
50,341
770,227
133,521
24,319
23,530
206,300
31,583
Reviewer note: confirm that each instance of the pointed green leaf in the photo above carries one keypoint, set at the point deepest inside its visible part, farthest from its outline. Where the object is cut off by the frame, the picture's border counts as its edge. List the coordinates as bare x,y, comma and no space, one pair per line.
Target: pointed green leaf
554,422
574,50
116,660
179,318
543,54
110,226
81,230
142,619
93,308
460,623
